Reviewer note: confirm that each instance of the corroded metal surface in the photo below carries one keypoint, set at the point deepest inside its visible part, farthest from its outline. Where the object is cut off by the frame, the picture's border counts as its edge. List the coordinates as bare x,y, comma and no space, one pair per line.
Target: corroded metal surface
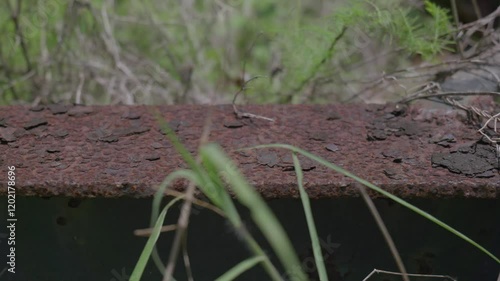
113,151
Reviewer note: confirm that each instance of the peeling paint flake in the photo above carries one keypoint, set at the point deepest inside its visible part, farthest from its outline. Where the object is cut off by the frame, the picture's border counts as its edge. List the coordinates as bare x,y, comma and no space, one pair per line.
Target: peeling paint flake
266,157
481,160
35,122
7,134
59,108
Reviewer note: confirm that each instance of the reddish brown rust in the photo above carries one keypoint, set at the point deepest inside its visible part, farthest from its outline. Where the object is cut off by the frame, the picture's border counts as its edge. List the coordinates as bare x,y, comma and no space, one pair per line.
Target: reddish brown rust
113,151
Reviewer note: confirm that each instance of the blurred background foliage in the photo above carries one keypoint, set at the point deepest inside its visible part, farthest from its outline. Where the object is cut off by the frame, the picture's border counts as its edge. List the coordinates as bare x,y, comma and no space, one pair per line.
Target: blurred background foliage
193,51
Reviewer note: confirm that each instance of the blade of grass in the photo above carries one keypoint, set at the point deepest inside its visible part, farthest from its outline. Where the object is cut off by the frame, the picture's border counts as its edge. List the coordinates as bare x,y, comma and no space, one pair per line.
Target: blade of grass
218,190
381,191
148,249
306,204
179,147
231,212
260,212
240,268
208,188
384,230
160,192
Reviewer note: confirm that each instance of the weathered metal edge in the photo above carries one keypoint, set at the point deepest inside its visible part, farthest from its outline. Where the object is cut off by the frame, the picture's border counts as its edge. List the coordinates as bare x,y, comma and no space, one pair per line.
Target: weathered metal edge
114,151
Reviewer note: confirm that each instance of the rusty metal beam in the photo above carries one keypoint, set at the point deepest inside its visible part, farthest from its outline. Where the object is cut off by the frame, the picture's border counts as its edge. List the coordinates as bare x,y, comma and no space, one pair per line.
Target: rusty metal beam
113,151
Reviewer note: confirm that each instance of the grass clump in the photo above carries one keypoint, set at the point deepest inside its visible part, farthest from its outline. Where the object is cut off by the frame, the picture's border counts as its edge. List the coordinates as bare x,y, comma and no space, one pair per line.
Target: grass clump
216,176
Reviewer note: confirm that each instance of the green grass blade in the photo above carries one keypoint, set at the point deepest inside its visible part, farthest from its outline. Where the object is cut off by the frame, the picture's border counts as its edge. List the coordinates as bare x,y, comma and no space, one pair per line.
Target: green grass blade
209,187
219,191
240,268
306,204
381,191
260,212
231,212
146,252
160,193
179,147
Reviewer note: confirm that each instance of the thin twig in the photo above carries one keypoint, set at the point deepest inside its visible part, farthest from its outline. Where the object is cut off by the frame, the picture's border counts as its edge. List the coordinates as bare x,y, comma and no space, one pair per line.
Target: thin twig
183,221
466,33
12,83
323,60
446,94
493,140
240,114
15,17
146,232
243,88
409,274
182,225
185,256
482,21
78,96
477,11
196,201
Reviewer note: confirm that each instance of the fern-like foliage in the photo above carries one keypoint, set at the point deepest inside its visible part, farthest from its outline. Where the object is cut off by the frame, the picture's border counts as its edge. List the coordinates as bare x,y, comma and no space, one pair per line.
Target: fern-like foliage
309,53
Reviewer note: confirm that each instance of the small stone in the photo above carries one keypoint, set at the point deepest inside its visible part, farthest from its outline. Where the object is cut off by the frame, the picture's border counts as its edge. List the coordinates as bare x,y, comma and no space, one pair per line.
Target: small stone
332,147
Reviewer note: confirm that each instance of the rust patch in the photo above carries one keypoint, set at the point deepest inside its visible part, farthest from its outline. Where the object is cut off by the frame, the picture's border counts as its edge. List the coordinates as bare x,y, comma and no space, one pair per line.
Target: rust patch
111,151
